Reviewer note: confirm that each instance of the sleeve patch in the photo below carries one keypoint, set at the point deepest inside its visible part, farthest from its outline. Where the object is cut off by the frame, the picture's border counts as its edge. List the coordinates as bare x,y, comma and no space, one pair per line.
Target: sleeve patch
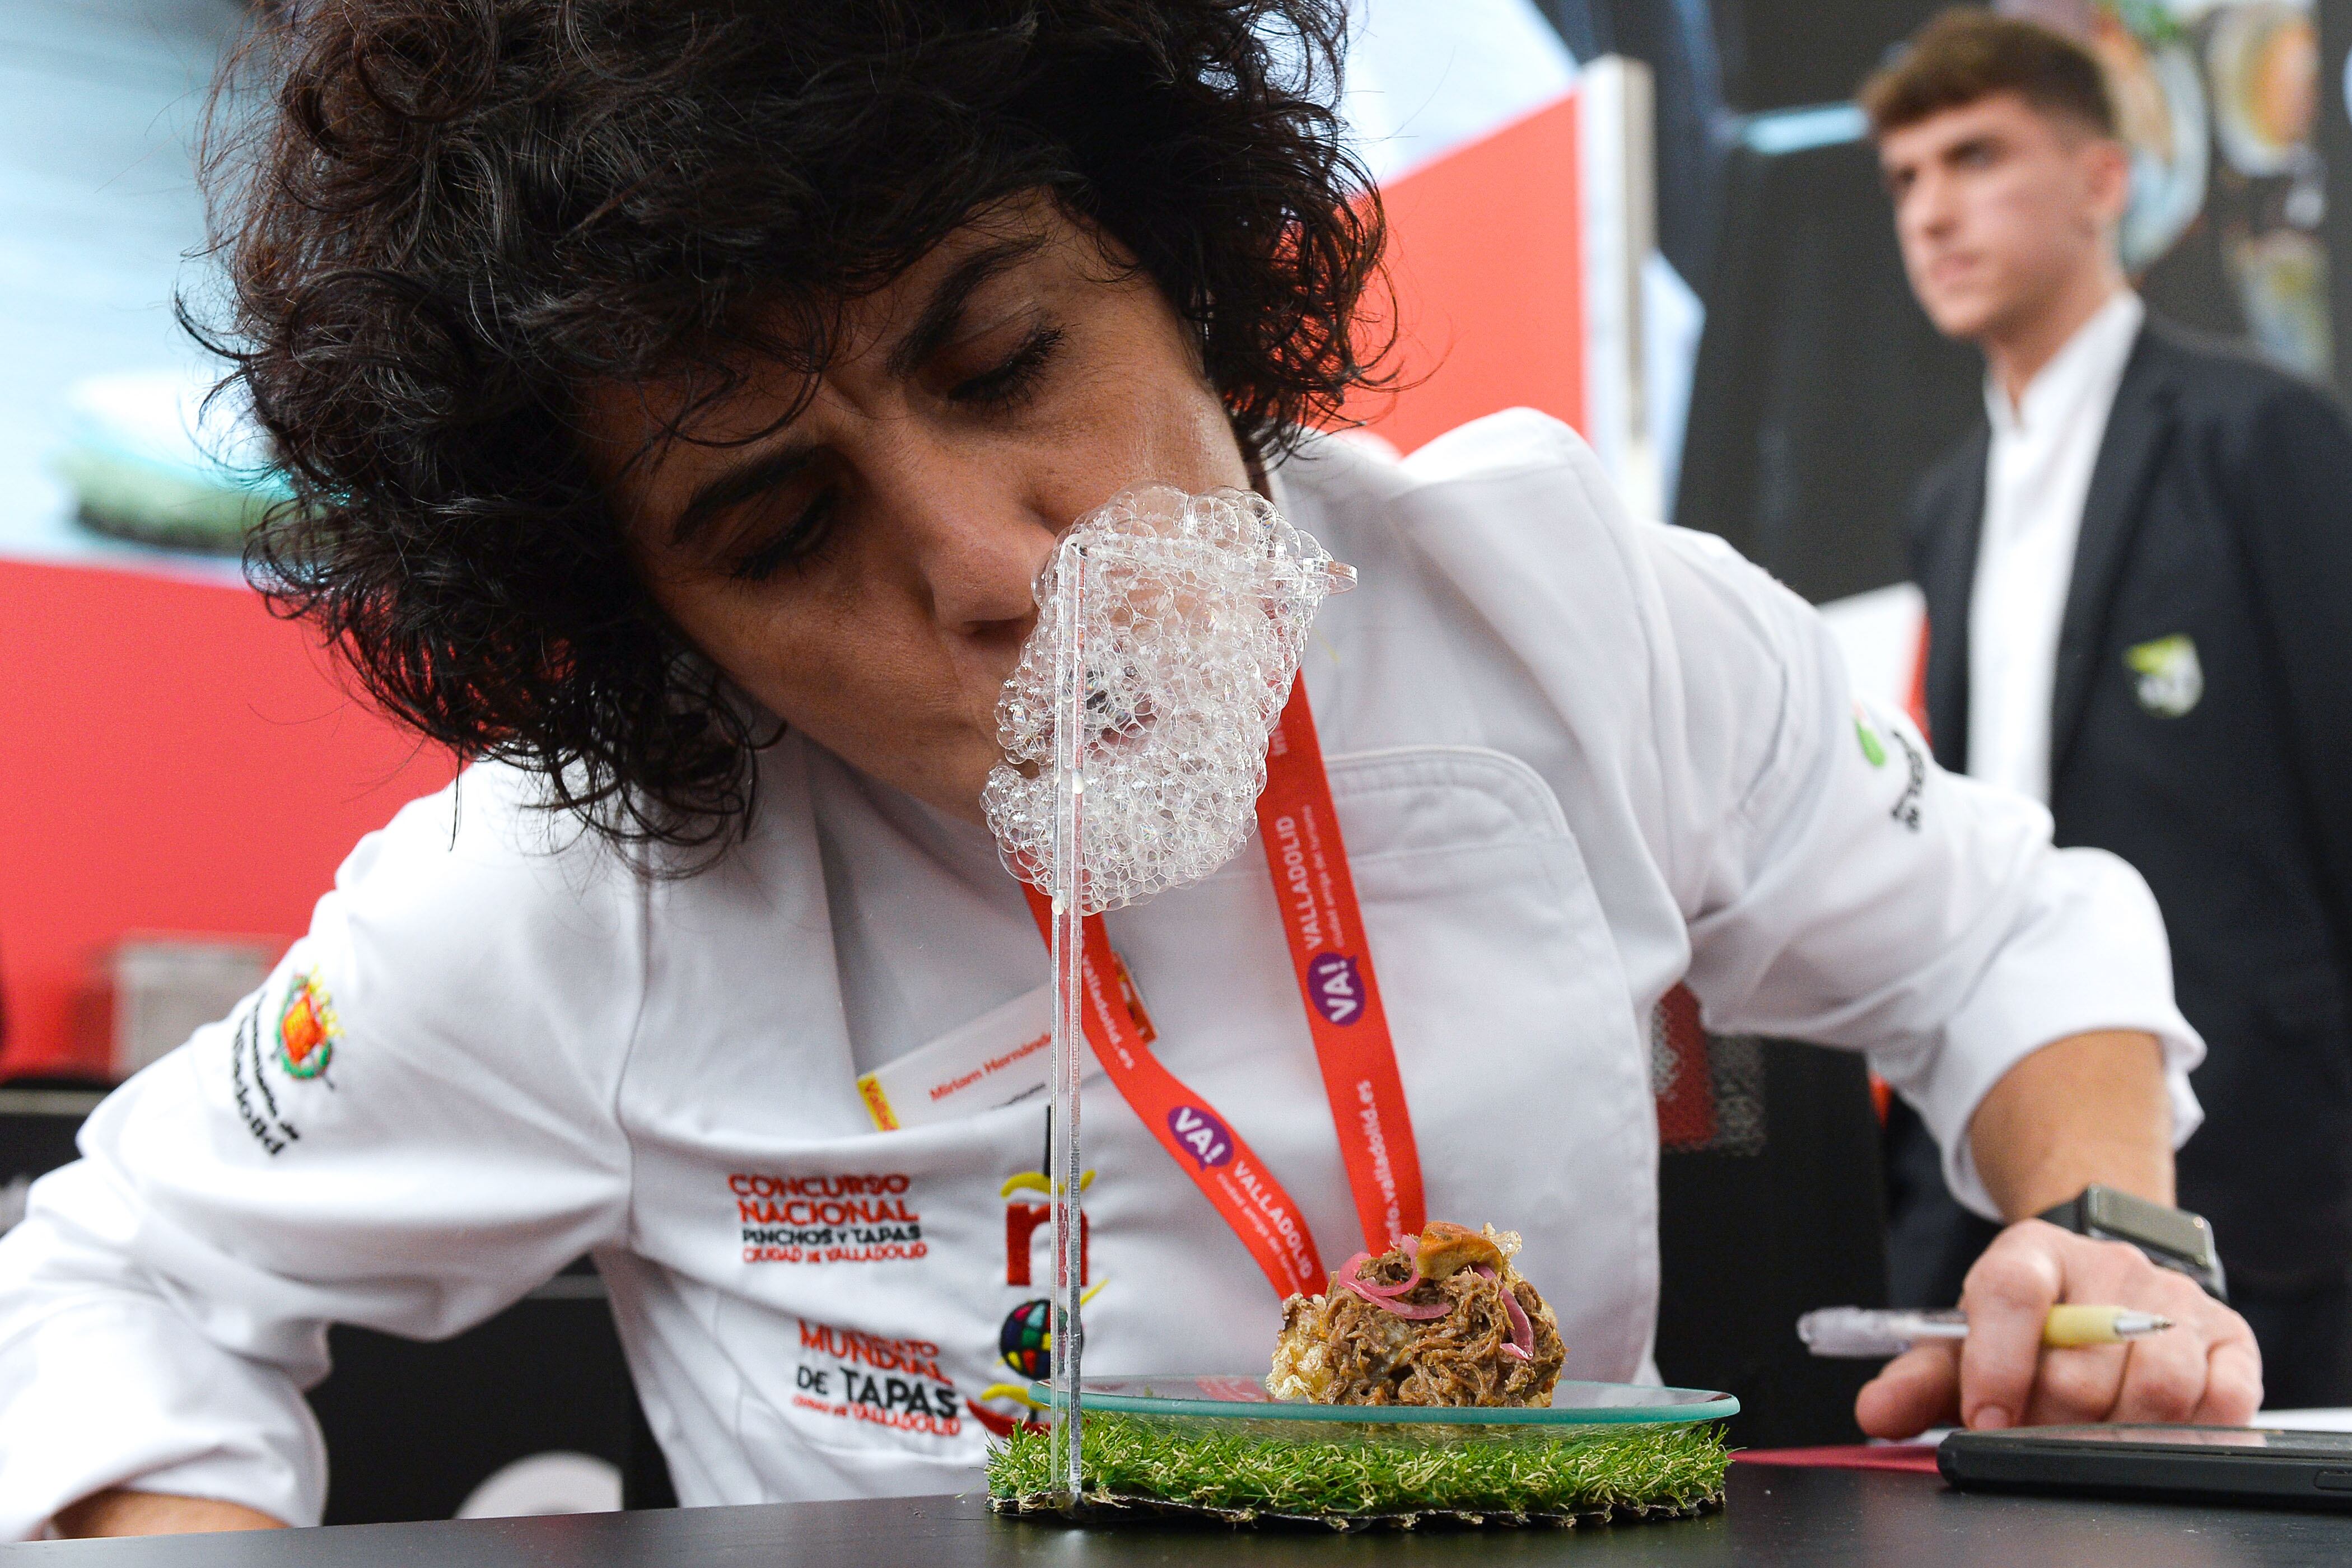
298,1037
306,1027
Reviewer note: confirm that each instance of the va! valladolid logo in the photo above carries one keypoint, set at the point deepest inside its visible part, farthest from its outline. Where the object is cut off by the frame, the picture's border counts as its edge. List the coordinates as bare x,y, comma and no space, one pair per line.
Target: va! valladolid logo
1199,1134
1337,986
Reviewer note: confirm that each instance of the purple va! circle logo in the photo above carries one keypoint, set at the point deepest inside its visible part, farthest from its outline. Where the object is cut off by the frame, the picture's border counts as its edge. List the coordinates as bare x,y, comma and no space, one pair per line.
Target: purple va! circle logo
1336,986
1199,1134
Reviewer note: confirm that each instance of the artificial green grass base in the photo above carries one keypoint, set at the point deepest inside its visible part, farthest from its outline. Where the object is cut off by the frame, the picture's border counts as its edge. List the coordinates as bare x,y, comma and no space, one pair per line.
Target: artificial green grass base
1244,1477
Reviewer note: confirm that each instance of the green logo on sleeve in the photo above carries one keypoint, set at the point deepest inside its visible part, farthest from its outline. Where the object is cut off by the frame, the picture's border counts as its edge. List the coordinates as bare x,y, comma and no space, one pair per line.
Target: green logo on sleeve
1872,749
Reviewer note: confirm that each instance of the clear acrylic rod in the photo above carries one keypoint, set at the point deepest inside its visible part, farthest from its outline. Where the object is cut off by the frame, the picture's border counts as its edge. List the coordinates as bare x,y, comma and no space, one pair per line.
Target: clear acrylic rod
1168,631
1066,1177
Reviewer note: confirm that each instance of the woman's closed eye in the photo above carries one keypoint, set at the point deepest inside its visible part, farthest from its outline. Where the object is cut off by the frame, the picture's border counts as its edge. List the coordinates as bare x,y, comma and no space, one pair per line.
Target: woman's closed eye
796,543
1013,378
1006,384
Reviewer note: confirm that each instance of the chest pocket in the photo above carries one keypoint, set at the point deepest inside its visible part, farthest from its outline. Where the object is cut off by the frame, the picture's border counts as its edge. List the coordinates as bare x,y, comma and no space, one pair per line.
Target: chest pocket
1524,1071
1516,1031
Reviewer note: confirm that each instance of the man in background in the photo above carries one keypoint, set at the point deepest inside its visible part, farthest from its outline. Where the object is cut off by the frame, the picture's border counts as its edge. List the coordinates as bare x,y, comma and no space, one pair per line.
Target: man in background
2138,576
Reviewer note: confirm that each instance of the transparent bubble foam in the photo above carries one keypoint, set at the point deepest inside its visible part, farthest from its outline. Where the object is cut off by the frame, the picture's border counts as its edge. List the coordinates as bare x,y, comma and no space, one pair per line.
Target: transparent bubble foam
1196,609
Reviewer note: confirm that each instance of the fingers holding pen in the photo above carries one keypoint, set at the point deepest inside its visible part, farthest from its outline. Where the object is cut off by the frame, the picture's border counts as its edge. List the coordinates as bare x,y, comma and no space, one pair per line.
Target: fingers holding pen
2205,1367
2019,1365
2170,1376
2234,1378
2008,1296
1917,1390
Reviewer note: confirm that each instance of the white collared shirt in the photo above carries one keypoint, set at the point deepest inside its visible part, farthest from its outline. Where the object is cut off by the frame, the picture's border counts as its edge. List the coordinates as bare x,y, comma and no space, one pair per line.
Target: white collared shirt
2037,478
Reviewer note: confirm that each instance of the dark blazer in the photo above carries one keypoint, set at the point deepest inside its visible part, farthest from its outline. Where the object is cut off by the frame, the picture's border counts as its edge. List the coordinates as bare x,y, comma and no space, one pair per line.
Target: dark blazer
2221,512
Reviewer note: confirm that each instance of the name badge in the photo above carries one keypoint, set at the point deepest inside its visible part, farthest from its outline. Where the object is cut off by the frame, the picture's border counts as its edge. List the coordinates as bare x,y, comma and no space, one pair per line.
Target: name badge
1003,1056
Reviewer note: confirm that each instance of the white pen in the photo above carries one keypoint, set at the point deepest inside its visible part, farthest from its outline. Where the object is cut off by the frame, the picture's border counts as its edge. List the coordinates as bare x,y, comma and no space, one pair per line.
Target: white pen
1867,1333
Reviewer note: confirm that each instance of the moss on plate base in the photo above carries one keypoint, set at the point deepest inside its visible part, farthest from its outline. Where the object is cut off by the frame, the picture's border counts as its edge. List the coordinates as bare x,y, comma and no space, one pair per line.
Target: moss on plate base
1142,1466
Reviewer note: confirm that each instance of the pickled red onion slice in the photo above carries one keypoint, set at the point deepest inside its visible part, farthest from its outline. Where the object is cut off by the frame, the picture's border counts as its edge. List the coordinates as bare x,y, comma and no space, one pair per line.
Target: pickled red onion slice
1371,1287
1523,1332
1401,1309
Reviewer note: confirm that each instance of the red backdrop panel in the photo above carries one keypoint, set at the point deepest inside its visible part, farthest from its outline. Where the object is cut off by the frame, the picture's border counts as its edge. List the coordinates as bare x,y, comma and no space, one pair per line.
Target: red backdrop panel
174,758
1485,258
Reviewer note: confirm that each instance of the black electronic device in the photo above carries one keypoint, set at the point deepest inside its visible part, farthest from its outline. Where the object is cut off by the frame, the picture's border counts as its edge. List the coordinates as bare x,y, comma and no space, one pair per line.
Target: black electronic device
2251,1465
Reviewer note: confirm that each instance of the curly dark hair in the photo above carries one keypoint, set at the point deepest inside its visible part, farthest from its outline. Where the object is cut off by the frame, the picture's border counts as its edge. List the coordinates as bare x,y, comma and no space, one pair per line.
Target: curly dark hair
462,212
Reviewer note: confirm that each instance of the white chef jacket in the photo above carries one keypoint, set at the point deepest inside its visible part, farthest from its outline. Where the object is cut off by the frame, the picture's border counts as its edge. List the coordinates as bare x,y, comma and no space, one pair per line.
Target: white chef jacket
1576,759
2037,478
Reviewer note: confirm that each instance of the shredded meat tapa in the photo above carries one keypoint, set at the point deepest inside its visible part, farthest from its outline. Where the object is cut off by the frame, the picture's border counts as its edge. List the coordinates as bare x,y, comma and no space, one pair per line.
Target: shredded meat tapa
1341,1349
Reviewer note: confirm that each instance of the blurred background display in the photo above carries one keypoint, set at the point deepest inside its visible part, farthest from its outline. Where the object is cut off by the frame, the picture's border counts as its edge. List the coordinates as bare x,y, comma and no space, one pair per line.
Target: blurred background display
2220,108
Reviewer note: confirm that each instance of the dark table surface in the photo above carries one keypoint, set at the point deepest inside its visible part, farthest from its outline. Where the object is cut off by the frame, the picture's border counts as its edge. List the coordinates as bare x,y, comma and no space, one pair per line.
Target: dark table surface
1775,1516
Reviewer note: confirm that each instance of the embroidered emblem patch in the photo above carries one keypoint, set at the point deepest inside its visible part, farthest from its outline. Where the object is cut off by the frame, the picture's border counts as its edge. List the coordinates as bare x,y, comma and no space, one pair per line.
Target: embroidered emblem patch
307,1029
846,1218
2169,677
896,1384
1024,1342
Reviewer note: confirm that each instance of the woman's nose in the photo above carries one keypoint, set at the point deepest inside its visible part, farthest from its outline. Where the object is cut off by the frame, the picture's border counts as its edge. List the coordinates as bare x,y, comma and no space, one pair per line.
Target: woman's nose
976,546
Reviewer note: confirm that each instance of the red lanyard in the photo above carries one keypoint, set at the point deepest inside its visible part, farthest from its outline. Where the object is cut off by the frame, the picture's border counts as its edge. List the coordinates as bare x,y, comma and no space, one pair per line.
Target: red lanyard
1332,961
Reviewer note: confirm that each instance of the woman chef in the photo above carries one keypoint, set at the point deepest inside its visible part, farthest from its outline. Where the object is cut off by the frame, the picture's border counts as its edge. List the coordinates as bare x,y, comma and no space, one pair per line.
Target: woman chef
682,399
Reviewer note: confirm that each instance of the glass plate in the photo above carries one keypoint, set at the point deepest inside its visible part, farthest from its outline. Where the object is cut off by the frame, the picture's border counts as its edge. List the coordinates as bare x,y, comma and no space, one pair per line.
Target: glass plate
1242,1399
